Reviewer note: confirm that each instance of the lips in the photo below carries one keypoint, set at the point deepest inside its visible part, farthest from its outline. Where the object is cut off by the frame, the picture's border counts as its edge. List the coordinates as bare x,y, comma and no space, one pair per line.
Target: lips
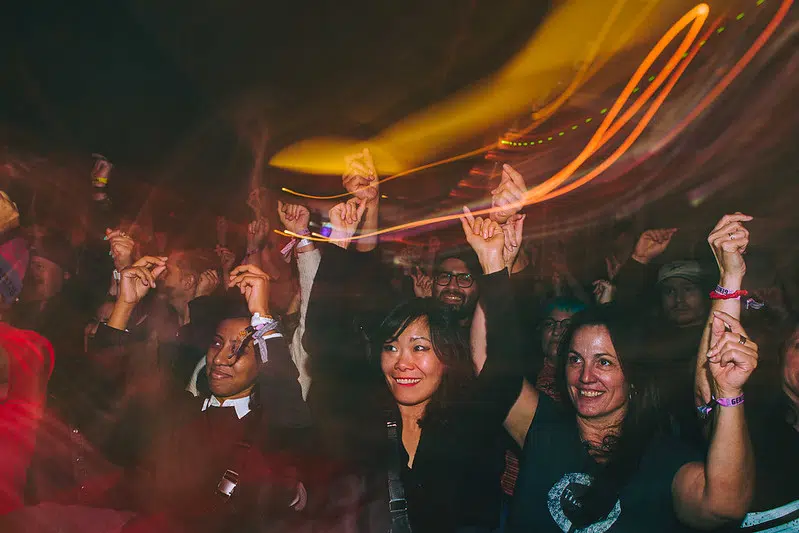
451,297
584,393
216,374
407,382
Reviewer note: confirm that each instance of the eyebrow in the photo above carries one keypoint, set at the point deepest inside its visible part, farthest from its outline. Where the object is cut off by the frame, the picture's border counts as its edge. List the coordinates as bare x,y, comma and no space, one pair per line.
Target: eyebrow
419,337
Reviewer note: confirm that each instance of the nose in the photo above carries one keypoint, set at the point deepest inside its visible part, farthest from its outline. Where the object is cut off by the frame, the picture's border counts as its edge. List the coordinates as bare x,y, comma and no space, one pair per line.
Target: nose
404,361
587,374
222,357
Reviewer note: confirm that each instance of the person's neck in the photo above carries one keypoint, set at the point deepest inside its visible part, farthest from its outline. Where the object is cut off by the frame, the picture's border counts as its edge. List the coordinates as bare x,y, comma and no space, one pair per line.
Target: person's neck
243,394
412,414
596,430
181,306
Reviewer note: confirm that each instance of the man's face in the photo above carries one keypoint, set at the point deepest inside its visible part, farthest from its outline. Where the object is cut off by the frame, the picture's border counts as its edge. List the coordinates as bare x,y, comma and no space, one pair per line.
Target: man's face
174,280
682,302
231,377
448,286
102,315
43,280
552,329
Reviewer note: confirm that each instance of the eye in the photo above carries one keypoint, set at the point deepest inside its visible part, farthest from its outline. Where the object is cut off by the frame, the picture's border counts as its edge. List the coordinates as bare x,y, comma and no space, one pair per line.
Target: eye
420,348
389,348
548,324
574,359
605,362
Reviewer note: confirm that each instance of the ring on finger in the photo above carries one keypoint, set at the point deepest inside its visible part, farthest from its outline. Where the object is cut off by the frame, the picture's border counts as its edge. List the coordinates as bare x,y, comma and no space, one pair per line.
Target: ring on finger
742,340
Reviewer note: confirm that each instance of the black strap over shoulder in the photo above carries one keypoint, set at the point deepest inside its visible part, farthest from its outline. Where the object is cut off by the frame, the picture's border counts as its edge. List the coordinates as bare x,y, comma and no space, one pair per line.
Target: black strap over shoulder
397,503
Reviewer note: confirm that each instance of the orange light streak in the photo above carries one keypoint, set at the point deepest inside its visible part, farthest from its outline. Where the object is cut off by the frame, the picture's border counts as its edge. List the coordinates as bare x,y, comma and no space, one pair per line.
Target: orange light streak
608,129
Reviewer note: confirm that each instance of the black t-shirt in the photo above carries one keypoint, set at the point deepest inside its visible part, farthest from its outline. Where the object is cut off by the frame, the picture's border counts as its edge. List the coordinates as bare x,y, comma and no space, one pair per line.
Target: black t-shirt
556,469
775,507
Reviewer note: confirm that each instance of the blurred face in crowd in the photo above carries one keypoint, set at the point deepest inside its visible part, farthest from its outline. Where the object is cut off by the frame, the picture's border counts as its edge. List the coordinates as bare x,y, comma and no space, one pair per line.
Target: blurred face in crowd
552,329
410,365
176,281
455,286
231,377
594,377
102,315
683,302
43,280
790,369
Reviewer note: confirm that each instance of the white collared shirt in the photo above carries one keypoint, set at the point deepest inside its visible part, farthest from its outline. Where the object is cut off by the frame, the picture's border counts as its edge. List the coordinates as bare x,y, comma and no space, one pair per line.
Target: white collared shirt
241,405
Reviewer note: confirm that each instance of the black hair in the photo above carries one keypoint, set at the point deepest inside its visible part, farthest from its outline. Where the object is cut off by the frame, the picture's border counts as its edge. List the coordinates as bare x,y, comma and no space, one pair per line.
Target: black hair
449,346
468,256
645,416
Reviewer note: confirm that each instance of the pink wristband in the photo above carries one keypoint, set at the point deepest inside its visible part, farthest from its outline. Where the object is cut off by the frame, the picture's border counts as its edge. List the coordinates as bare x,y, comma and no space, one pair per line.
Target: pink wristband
730,402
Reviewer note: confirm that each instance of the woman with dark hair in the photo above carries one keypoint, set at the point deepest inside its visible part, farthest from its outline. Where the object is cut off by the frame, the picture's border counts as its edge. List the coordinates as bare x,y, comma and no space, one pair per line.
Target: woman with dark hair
399,399
611,463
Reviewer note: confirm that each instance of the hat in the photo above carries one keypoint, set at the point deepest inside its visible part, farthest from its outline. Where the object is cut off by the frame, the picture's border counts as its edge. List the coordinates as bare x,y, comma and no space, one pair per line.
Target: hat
689,270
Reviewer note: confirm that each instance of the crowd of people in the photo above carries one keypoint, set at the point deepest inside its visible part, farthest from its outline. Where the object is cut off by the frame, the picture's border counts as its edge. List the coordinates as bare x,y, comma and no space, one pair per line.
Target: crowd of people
149,387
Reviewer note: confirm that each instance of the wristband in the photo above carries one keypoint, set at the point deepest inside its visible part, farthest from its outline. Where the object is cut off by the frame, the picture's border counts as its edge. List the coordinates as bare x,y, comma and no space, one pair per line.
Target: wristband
117,275
286,251
722,290
730,402
715,295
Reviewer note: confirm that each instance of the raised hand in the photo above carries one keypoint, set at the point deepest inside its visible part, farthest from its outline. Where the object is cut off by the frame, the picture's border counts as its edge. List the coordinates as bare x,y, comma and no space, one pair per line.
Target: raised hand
729,240
360,178
422,283
652,243
122,246
345,218
257,232
508,197
513,230
209,281
254,285
226,257
137,280
485,236
603,291
295,218
732,357
612,265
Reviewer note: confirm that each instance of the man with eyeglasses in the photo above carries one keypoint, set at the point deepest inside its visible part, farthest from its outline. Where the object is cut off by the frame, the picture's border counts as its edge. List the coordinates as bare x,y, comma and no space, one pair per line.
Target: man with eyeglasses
455,283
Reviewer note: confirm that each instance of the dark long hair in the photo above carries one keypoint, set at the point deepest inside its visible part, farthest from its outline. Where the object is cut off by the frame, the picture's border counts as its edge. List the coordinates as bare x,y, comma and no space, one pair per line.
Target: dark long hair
449,345
645,417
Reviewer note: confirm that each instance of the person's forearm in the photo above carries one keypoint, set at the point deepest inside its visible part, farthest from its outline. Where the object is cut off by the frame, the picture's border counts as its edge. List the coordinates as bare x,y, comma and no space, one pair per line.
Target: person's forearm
120,316
733,308
369,226
730,465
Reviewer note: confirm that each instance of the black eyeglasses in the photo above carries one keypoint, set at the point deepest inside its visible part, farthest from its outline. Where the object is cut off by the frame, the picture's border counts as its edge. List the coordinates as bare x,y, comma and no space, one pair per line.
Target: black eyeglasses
552,324
464,280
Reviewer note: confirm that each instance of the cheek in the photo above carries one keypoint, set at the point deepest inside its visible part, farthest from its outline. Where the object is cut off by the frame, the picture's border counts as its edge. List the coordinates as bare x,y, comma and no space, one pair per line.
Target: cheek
431,365
386,362
614,381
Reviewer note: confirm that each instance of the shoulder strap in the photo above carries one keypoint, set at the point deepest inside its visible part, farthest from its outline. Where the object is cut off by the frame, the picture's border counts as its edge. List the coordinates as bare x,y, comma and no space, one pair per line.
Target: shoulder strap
397,504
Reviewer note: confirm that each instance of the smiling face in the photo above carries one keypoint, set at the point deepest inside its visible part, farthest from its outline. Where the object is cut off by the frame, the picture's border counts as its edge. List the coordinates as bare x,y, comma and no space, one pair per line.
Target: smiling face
230,377
595,380
461,299
410,365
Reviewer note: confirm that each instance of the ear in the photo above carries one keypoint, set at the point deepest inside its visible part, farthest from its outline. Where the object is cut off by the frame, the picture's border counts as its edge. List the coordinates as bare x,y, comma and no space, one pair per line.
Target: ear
189,280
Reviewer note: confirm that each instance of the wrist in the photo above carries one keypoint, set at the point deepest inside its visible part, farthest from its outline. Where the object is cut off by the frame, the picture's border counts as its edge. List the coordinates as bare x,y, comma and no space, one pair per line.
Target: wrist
640,258
120,315
491,265
731,281
728,393
340,239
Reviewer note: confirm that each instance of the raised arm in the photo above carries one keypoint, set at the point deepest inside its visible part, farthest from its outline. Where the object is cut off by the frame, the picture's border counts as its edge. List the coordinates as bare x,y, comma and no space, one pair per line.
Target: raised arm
501,370
361,181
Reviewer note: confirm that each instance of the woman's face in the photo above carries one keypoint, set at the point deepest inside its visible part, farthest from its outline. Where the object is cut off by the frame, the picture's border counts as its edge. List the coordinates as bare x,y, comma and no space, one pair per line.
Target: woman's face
790,368
552,329
231,377
412,369
596,383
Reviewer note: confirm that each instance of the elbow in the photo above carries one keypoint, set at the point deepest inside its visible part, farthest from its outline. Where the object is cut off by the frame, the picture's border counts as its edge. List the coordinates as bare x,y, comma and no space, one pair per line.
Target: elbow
731,508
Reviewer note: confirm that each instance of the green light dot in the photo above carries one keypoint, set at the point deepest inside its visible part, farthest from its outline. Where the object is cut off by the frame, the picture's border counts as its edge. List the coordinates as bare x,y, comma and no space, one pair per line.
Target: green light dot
721,29
560,134
540,141
702,43
549,138
635,90
685,55
603,111
589,119
740,16
574,127
526,144
760,2
651,78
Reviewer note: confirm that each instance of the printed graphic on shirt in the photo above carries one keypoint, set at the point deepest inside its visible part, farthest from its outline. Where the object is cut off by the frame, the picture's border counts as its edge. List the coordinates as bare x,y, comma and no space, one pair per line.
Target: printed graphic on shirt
564,501
779,520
